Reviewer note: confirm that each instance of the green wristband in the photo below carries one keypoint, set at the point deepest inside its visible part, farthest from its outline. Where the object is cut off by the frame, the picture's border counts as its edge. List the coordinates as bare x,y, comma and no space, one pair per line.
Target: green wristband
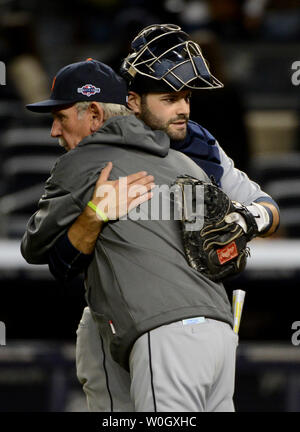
98,211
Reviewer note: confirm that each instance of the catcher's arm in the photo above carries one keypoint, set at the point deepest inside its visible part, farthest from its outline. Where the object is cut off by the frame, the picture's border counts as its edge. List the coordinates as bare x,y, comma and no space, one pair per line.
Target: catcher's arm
265,214
238,186
275,218
73,252
217,248
118,200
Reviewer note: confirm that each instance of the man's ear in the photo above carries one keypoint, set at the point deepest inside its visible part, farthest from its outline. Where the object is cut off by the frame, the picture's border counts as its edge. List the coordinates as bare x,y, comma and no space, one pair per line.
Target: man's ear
134,102
96,115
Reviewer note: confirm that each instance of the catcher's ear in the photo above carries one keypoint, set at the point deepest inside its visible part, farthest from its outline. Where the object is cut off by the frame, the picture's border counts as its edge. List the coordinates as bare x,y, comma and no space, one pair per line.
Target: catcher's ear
134,102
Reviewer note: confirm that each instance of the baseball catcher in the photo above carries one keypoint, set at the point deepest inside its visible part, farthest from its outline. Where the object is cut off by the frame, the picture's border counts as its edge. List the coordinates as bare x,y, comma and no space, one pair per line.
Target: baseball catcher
216,232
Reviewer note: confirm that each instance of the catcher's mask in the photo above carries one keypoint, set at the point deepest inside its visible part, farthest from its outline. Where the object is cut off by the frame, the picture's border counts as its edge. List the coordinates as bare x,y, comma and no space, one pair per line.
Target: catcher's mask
165,53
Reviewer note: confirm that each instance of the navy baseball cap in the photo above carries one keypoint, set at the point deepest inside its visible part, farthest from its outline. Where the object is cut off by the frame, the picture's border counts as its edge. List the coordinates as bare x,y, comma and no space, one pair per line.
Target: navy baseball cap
89,80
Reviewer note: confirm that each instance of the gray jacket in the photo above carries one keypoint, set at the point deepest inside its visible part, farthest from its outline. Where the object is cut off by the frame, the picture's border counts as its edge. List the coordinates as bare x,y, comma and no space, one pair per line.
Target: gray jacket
139,278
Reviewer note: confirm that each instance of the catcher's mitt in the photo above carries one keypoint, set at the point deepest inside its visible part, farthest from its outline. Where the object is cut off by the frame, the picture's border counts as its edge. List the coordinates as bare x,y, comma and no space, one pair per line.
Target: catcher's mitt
213,244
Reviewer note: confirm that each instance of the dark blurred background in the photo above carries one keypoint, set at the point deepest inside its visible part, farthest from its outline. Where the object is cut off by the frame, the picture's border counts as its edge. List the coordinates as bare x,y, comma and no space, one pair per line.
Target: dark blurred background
252,47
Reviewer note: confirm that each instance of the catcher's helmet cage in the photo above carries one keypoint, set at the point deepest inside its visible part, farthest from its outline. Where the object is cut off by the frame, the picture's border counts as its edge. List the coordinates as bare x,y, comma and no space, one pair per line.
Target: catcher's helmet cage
164,52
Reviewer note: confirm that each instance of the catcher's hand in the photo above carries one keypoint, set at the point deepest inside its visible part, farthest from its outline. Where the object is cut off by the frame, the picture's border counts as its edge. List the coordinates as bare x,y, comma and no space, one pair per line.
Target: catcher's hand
215,236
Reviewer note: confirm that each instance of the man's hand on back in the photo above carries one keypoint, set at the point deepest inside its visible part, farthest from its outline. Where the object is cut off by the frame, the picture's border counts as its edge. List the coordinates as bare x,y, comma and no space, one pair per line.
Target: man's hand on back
113,197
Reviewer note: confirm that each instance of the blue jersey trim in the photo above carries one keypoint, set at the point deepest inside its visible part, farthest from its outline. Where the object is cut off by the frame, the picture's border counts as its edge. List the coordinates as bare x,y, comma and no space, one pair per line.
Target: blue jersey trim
201,147
267,199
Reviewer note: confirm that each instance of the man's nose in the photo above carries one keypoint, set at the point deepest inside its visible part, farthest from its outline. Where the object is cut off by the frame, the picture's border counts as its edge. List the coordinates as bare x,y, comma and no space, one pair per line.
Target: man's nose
183,107
56,129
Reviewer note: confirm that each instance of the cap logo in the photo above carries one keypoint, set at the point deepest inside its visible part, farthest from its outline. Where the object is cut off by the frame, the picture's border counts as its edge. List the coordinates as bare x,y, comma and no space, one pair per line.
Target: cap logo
88,90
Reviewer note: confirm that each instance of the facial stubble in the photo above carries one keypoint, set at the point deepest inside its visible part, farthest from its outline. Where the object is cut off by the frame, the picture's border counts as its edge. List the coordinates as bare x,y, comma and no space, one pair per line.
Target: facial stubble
155,123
